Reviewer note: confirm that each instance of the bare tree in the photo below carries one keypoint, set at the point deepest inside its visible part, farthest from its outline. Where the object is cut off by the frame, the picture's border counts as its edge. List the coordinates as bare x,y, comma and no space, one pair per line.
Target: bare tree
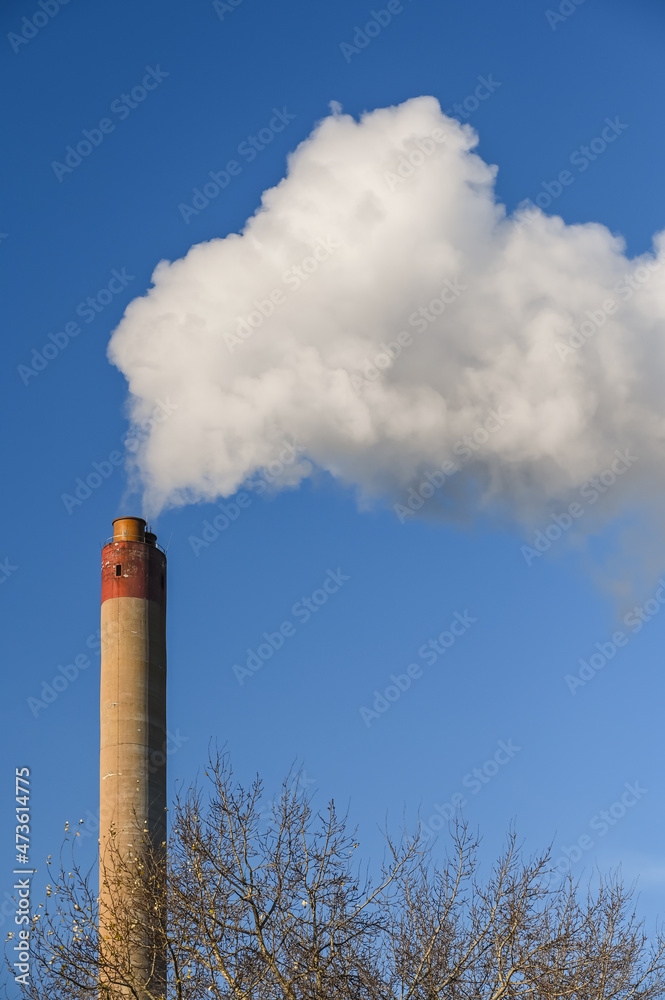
518,934
283,910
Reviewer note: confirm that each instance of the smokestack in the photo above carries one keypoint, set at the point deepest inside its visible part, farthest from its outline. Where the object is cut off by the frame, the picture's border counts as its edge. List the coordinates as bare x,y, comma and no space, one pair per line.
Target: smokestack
133,734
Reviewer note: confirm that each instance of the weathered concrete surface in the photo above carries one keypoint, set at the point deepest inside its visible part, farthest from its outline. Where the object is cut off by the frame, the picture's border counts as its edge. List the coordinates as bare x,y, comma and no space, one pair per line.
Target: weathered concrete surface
133,719
132,723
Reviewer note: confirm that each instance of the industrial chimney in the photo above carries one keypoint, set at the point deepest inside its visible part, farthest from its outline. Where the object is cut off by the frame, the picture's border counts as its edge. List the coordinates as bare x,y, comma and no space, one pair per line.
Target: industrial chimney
133,744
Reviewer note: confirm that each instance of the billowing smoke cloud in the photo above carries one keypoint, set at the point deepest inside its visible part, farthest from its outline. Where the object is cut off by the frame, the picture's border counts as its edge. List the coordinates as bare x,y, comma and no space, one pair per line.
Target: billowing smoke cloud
382,316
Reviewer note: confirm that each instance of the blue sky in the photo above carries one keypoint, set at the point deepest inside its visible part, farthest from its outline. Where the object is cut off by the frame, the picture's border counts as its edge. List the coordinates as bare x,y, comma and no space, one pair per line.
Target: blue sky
218,76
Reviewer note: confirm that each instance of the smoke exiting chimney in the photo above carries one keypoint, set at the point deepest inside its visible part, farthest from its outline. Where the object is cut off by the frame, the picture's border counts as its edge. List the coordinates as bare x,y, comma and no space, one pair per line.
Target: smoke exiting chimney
386,317
133,734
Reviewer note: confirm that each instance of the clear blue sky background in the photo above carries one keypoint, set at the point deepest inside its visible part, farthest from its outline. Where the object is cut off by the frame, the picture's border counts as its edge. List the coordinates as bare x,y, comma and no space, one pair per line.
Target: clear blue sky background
504,678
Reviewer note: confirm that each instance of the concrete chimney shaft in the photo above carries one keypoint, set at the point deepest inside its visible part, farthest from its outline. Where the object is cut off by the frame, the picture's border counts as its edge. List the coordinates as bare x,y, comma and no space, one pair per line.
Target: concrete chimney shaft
132,706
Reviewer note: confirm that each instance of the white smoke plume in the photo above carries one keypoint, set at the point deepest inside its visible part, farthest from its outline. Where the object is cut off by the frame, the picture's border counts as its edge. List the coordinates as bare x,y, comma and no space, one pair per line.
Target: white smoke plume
381,313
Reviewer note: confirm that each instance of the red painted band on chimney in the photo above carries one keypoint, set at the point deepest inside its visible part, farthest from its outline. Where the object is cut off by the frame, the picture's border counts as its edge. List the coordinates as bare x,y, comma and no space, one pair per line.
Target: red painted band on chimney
133,569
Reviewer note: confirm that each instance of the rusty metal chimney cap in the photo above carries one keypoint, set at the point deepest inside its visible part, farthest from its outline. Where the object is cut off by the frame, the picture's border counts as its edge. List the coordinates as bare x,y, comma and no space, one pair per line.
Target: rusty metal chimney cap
129,529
